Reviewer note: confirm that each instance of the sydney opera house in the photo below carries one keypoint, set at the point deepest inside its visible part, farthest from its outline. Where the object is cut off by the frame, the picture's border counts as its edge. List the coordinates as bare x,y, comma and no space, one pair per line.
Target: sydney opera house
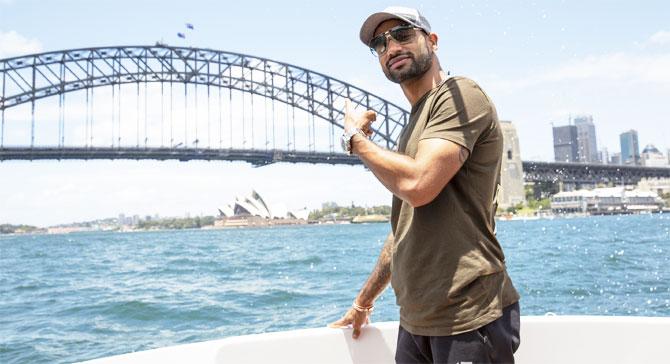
253,211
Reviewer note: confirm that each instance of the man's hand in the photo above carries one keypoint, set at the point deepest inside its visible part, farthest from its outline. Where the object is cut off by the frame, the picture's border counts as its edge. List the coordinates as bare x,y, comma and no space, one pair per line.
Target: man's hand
354,120
354,319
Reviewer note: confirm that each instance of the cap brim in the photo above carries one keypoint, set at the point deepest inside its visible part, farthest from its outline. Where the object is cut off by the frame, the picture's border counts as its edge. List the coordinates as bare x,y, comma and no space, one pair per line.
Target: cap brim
371,24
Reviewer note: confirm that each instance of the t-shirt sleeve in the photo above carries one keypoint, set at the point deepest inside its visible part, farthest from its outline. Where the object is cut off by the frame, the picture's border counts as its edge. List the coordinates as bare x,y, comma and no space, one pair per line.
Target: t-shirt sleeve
459,114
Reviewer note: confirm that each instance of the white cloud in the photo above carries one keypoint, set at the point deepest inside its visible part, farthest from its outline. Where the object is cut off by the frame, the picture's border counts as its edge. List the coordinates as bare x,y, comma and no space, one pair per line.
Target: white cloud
629,68
660,37
14,44
618,66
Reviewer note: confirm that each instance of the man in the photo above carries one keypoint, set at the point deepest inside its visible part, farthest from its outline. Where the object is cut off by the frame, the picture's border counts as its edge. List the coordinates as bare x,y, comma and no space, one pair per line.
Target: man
457,303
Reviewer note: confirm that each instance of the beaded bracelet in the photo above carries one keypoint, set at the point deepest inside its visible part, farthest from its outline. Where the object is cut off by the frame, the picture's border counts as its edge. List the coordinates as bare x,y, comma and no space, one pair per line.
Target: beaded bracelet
359,308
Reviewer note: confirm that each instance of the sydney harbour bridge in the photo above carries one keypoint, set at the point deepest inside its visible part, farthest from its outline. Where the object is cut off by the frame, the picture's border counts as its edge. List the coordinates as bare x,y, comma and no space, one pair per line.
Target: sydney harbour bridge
162,102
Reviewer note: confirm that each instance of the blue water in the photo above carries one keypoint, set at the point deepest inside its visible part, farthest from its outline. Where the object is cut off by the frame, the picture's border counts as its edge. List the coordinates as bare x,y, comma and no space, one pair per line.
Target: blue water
73,297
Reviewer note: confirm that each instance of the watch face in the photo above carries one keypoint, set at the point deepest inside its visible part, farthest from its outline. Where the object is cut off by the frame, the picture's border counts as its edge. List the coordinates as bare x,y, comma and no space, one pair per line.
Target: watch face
343,142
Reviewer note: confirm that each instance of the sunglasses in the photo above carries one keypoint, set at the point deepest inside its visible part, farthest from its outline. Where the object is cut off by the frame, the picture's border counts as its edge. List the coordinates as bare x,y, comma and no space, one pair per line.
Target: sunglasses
402,34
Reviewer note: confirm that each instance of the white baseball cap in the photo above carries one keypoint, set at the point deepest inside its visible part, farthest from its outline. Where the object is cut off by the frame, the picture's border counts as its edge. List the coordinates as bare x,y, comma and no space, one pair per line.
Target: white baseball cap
409,15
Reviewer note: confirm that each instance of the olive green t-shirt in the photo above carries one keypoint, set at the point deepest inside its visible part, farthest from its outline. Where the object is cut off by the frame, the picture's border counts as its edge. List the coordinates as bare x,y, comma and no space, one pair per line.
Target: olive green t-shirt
448,269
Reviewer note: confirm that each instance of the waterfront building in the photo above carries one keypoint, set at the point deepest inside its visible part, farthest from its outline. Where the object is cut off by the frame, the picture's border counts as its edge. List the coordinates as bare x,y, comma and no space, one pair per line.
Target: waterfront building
565,143
616,159
252,205
226,210
605,201
659,185
587,147
630,148
511,171
252,210
652,157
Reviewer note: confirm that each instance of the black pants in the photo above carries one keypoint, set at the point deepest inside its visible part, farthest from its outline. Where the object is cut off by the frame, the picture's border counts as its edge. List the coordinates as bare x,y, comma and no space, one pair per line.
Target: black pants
495,342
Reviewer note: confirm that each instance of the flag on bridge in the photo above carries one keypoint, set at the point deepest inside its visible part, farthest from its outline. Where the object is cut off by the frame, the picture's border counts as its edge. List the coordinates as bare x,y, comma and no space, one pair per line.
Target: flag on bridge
181,35
189,26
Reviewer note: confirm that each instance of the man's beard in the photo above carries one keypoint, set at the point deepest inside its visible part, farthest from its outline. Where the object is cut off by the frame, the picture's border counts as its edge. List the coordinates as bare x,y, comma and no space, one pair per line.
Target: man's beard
417,68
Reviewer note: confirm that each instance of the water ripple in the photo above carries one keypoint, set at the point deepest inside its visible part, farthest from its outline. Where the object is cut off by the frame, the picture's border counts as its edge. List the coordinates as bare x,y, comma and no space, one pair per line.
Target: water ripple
82,296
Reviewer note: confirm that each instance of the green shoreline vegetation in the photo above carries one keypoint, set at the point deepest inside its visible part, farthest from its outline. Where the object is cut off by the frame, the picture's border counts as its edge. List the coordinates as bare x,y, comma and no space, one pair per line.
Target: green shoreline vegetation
19,229
176,223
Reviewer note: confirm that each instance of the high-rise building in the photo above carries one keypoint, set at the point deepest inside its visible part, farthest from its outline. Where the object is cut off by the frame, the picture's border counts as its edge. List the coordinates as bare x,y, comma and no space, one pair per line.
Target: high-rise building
121,219
565,143
587,147
604,156
630,149
511,170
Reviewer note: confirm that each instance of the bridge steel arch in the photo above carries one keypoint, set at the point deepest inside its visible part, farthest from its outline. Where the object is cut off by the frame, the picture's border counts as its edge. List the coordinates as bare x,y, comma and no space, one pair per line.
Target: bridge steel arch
26,79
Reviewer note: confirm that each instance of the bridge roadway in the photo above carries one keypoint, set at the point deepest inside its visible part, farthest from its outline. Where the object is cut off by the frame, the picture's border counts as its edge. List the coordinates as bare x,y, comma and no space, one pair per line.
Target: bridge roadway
256,157
533,171
582,173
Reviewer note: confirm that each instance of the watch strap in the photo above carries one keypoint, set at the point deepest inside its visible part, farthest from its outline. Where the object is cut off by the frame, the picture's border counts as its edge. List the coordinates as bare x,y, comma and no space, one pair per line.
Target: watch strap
348,135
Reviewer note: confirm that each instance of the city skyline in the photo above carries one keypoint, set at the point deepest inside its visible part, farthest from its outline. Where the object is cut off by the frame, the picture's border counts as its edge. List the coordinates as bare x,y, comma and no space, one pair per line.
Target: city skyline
577,142
539,62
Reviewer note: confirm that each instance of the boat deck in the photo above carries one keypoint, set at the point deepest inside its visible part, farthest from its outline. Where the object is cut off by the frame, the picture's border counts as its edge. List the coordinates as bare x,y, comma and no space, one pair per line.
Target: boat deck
544,339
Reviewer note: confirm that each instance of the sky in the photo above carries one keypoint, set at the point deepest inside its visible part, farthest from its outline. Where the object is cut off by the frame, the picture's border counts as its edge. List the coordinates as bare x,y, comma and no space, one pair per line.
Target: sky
541,62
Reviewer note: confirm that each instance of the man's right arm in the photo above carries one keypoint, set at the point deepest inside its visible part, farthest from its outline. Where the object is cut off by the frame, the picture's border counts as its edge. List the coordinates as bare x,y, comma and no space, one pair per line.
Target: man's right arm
373,287
380,276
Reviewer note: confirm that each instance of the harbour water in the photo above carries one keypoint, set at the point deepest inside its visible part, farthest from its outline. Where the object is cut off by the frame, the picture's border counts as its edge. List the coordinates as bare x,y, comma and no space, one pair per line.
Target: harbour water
73,297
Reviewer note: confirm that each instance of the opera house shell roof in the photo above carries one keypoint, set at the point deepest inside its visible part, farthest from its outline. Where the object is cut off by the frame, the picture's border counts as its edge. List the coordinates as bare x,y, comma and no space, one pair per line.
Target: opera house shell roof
254,205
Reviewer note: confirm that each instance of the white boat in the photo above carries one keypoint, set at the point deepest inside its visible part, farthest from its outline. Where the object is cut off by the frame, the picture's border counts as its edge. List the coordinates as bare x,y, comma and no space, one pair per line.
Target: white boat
544,340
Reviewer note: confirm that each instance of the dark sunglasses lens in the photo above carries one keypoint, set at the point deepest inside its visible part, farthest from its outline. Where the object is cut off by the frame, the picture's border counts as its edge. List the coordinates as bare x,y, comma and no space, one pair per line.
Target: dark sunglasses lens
378,44
403,35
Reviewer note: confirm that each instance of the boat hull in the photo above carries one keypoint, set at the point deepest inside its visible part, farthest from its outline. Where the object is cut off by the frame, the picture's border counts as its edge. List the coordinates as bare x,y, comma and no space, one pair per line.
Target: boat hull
544,339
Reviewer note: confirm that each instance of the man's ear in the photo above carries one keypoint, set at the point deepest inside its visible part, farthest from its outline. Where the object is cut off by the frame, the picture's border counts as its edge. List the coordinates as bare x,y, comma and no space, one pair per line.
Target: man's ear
432,37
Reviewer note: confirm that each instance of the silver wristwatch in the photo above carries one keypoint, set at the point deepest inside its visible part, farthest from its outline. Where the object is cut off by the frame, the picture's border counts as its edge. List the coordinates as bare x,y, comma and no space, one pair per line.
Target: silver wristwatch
346,138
